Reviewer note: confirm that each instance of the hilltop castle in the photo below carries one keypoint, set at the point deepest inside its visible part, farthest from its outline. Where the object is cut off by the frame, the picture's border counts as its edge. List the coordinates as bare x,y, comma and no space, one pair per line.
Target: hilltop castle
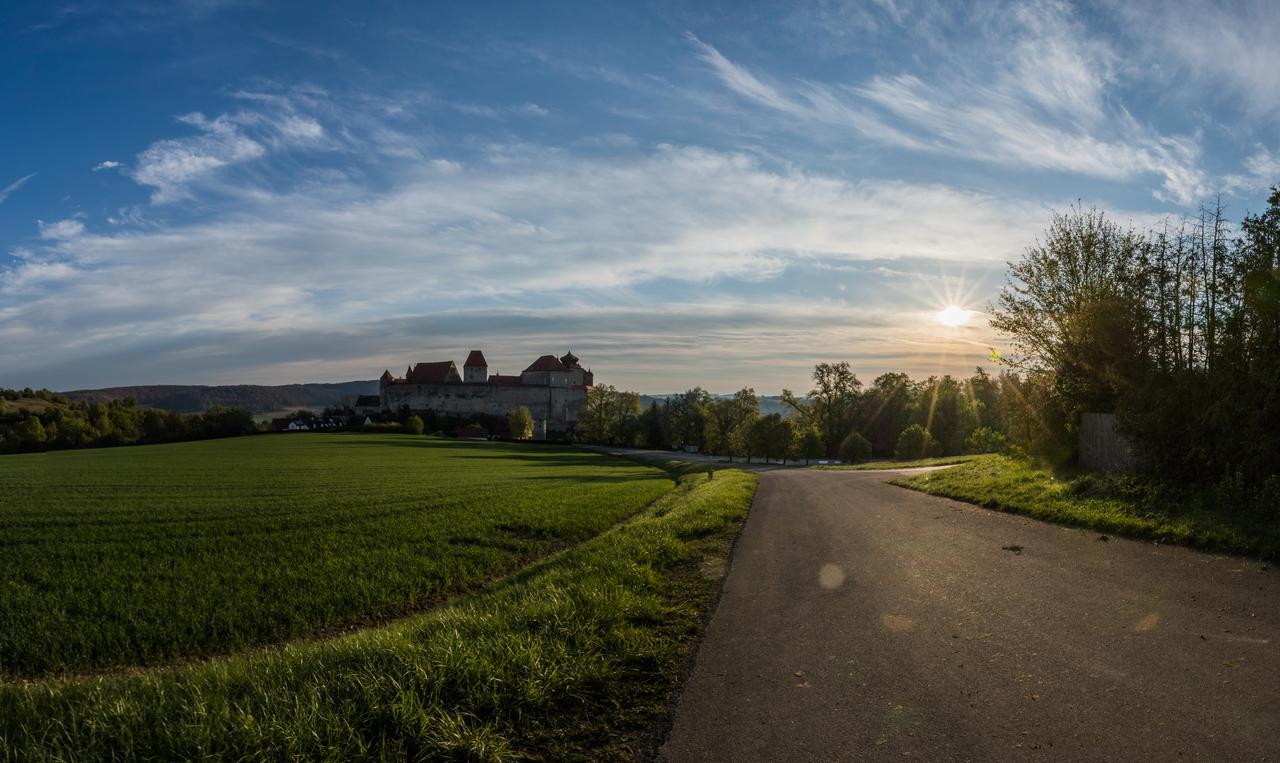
553,389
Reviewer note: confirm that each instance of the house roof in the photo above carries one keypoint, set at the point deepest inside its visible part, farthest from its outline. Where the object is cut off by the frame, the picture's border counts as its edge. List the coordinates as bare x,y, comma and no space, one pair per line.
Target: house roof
368,401
546,363
476,360
500,379
432,373
570,360
386,376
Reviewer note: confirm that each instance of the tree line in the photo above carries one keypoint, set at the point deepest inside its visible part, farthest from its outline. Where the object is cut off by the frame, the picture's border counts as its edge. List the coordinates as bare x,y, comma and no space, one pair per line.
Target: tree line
893,417
1174,329
36,420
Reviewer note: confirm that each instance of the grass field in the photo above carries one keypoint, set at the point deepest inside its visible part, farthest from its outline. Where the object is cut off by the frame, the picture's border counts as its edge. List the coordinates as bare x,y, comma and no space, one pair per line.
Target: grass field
1122,505
129,556
574,659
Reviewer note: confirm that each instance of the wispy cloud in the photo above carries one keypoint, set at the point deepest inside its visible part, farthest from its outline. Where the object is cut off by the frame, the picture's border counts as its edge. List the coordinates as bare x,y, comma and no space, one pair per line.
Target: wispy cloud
107,165
1039,99
15,185
523,226
61,230
1209,49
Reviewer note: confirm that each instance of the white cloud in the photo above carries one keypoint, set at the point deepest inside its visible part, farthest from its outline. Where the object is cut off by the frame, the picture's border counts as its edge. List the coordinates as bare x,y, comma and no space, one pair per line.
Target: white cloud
60,230
1204,50
107,165
171,165
15,185
1261,171
542,228
1036,94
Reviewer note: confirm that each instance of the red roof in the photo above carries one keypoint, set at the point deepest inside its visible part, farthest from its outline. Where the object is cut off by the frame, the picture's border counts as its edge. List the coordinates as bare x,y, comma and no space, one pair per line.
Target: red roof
500,379
386,376
546,363
433,373
476,360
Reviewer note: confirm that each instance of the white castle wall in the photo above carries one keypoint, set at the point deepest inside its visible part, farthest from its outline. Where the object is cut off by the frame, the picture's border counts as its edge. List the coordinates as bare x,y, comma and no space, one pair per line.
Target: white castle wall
560,407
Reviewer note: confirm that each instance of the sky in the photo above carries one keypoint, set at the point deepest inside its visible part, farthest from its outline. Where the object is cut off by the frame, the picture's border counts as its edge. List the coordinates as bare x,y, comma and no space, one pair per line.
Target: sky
712,194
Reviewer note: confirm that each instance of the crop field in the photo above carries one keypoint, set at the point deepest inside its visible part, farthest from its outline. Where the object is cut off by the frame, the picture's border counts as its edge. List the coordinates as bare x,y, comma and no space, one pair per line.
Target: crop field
138,555
575,657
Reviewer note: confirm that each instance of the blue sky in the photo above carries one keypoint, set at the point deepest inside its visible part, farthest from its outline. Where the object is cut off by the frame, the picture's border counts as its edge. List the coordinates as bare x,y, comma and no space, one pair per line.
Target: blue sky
684,194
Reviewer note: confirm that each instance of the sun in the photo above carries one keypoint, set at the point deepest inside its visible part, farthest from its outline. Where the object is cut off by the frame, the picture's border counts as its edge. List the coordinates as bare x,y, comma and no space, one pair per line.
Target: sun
953,315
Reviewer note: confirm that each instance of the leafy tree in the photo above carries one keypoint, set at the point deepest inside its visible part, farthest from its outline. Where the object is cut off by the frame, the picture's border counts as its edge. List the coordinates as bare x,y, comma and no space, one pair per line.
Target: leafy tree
771,436
985,440
520,423
855,447
832,405
806,443
886,409
414,425
651,427
31,434
724,415
915,442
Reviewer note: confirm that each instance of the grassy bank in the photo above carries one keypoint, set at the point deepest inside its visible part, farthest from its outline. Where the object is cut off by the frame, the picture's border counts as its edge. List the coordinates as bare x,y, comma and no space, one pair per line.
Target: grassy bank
912,464
130,556
574,658
1122,505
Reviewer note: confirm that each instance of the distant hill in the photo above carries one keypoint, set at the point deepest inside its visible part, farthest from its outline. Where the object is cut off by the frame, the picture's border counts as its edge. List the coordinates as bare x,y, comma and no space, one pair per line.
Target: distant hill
768,403
255,398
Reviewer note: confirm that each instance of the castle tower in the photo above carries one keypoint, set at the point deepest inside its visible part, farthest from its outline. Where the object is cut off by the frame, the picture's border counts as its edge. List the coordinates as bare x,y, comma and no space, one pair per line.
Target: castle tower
476,369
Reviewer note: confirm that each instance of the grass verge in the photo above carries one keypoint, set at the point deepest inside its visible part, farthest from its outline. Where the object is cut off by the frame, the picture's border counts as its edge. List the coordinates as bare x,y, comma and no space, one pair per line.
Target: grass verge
1120,504
572,659
913,464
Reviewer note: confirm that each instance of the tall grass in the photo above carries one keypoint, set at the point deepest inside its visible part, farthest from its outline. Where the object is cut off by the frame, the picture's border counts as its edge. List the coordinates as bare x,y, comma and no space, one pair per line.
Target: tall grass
573,658
138,555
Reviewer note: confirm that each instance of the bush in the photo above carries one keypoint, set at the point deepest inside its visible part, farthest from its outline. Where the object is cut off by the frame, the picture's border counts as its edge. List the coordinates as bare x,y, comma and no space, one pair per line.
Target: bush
414,425
915,442
855,447
985,440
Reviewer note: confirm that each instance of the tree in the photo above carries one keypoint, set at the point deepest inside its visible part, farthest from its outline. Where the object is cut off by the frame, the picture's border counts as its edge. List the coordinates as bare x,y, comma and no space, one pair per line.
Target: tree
831,406
520,423
915,442
886,409
854,448
688,417
985,440
651,427
723,415
771,436
806,443
31,434
414,425
595,424
947,412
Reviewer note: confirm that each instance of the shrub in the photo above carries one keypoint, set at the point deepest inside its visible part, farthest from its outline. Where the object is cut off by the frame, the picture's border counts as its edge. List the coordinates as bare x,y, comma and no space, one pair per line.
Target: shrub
414,425
855,447
520,423
915,442
985,440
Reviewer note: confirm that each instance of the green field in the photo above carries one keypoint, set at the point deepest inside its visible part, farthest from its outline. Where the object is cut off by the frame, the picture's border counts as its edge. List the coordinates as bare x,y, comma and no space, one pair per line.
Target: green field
131,556
576,657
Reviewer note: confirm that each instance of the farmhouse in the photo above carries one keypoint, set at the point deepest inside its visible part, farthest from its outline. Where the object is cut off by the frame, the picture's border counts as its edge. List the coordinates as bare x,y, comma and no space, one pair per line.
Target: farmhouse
553,389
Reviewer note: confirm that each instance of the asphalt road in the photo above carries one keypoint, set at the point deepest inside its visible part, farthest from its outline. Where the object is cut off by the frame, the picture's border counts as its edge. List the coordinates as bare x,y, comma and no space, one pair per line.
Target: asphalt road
864,621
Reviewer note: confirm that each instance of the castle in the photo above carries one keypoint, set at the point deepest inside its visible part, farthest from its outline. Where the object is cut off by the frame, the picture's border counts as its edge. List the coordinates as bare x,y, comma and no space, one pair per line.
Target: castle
553,389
